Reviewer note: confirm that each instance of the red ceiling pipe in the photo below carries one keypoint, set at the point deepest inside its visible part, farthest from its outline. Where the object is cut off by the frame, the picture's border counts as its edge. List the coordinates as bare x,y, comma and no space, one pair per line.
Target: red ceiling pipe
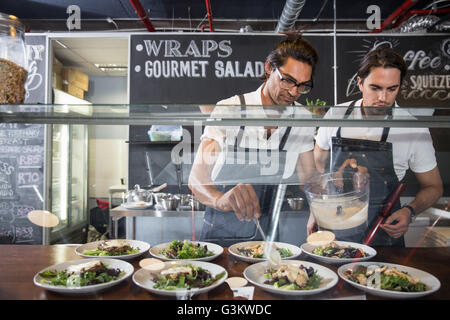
142,14
425,11
405,6
208,10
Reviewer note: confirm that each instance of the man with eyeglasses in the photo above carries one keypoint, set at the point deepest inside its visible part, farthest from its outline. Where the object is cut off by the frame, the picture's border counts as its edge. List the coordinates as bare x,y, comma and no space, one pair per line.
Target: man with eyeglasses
386,153
229,174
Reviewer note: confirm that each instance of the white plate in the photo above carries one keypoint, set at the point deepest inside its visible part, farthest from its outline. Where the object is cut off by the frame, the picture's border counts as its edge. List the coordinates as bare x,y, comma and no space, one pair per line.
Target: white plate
233,250
143,247
255,275
134,206
308,249
110,263
432,283
215,248
143,278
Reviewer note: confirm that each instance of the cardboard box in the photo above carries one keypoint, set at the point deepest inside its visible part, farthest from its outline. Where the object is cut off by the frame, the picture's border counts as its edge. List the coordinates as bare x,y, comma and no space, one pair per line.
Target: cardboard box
57,66
73,90
76,78
57,81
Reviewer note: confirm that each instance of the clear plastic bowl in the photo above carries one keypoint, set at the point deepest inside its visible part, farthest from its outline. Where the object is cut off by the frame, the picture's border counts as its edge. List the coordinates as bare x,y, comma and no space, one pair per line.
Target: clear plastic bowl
340,204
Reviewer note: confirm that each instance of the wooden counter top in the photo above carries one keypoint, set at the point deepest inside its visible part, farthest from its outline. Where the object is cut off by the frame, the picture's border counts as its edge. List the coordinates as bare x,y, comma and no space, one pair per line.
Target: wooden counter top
19,264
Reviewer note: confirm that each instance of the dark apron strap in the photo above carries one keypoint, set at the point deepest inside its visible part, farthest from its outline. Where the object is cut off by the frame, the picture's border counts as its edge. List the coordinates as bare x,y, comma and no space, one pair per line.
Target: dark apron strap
385,134
347,114
241,129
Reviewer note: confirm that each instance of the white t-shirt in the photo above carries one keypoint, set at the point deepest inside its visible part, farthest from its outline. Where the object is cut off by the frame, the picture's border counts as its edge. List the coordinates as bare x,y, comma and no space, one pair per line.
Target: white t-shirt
300,139
411,147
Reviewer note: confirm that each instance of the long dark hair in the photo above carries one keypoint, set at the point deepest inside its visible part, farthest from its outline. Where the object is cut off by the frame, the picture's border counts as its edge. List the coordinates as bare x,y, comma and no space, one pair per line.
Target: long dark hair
382,57
296,47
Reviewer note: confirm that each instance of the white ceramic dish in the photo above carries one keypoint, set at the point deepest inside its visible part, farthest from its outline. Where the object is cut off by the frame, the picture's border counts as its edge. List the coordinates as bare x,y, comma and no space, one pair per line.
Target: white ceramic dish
143,247
432,283
215,248
233,250
255,275
111,263
137,205
308,250
144,279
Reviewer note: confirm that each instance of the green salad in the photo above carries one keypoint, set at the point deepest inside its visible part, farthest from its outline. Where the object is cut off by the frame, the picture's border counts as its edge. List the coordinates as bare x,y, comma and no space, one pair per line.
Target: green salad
98,252
112,248
186,250
287,277
257,251
385,278
81,275
186,276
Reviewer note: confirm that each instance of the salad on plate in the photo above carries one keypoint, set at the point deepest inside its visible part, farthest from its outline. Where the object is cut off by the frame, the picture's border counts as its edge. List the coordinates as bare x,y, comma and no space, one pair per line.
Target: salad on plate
386,278
291,277
186,250
185,276
80,275
257,251
112,248
334,250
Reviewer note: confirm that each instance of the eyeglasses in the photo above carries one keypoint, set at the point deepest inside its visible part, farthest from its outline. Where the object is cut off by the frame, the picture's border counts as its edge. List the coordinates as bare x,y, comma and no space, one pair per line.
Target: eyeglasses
288,84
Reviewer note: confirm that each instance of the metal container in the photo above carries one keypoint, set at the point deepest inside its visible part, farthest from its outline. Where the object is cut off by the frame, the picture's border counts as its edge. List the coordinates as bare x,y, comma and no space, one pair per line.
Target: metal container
169,203
197,205
184,199
295,204
139,195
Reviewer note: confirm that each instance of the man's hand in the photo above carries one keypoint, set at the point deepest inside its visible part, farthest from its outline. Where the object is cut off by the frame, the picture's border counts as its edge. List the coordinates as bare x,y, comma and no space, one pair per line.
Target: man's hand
311,226
403,218
243,200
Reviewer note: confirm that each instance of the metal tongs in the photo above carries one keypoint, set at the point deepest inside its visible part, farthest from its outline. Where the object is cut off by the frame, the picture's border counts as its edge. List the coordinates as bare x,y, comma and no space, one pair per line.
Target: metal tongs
258,226
271,253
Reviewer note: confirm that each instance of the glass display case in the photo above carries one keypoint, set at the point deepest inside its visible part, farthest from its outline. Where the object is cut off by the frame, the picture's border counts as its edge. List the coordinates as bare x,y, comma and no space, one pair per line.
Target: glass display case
73,123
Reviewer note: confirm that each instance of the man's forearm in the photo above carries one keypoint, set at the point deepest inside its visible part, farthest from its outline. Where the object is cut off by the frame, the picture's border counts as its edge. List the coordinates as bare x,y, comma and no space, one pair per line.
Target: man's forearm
425,198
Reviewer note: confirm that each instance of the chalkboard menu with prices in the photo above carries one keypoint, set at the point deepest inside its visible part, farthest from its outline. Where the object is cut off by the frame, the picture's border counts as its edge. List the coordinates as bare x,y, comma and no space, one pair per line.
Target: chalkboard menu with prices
22,157
21,181
427,82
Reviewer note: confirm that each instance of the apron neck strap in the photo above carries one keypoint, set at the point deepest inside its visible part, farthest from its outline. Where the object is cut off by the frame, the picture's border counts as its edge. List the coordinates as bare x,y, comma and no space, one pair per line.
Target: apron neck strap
242,128
347,114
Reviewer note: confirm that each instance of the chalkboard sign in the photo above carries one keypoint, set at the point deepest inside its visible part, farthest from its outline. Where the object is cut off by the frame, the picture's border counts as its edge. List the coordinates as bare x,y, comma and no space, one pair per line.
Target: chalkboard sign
201,69
427,82
37,68
22,158
206,68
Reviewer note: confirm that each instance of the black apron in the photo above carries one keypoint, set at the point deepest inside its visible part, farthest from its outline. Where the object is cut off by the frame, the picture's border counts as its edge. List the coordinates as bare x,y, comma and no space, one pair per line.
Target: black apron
225,228
377,157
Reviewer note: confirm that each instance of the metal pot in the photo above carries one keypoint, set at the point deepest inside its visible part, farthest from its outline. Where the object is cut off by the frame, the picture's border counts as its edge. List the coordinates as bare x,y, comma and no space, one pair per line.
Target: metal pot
197,205
295,204
184,199
138,195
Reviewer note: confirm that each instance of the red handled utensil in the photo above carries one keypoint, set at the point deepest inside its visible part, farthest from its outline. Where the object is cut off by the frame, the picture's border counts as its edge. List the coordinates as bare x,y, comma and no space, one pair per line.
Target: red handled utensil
385,212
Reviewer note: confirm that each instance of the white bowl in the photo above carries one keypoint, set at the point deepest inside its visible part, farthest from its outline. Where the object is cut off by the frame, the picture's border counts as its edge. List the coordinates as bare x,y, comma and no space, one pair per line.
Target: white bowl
371,252
110,263
432,283
215,248
255,275
233,250
144,279
143,248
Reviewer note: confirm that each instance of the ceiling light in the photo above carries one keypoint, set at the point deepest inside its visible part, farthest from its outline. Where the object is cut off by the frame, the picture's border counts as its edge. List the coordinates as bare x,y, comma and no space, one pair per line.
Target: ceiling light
111,67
